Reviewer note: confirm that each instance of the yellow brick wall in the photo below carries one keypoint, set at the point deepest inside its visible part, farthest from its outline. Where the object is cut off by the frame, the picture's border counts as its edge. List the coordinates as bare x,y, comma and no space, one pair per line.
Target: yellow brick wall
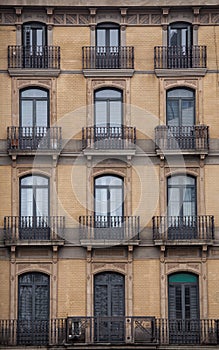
144,39
145,191
211,104
71,288
71,40
213,291
5,103
212,191
5,192
146,287
71,193
145,104
7,37
71,105
209,36
5,292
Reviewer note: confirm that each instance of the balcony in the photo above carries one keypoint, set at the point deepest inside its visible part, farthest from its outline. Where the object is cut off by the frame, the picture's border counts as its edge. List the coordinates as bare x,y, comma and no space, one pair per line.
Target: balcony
28,139
193,60
135,331
120,139
41,58
99,229
117,59
20,229
184,139
183,229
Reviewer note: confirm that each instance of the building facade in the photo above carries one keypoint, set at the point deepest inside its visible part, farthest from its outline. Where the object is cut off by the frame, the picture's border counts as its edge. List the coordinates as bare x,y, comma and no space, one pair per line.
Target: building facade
109,165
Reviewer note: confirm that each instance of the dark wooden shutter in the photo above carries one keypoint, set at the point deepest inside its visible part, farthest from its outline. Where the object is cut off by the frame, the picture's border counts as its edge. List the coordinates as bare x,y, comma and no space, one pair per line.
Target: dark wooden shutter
109,307
33,309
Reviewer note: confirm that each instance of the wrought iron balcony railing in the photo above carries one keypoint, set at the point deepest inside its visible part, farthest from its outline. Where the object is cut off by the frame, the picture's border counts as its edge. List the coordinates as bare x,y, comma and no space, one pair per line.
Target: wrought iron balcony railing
34,138
199,228
92,330
34,57
106,137
182,138
100,227
108,57
19,228
180,57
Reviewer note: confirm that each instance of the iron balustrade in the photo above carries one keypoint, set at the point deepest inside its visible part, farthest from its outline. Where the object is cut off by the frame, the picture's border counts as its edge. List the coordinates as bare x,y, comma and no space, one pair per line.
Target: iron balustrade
183,227
194,137
34,57
34,138
18,228
109,227
108,57
180,57
109,137
123,329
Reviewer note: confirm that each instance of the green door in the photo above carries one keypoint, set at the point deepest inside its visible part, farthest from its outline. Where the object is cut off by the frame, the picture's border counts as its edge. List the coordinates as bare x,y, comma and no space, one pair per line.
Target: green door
184,324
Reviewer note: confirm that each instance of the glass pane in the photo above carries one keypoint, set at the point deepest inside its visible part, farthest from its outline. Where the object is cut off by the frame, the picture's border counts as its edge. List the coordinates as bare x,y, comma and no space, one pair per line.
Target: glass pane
34,93
108,93
116,201
114,37
173,113
101,37
101,113
39,37
184,37
41,113
187,112
173,37
101,207
108,181
181,180
41,202
174,202
26,202
27,113
180,93
115,113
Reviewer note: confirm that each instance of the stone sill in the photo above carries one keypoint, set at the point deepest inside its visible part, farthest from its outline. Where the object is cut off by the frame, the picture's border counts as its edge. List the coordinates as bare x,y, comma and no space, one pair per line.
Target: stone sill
186,72
40,72
94,73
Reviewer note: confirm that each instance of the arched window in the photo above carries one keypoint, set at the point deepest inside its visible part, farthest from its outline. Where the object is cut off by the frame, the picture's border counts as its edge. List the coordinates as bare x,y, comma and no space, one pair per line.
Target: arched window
34,207
34,118
108,196
180,107
109,303
183,308
181,195
182,203
180,54
34,107
107,34
108,107
108,206
180,34
34,35
33,309
34,45
107,46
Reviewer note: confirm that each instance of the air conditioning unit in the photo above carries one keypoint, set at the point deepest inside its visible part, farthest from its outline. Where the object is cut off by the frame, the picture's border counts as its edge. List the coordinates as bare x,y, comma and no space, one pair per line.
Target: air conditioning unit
73,328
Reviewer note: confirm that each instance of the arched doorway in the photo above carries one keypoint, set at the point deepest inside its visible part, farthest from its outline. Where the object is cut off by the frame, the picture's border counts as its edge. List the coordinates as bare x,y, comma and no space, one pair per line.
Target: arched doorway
183,308
33,308
109,307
